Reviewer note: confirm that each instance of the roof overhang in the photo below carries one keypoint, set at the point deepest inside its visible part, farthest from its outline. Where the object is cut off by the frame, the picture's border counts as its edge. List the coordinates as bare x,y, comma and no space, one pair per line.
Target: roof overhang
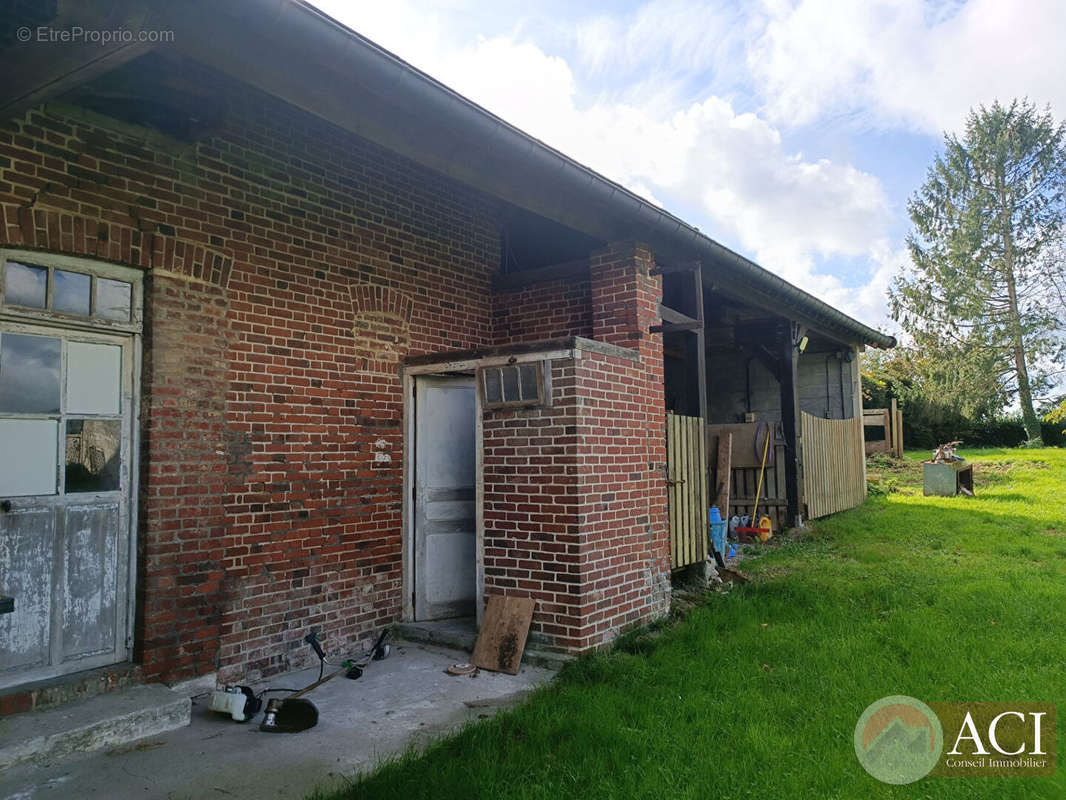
289,49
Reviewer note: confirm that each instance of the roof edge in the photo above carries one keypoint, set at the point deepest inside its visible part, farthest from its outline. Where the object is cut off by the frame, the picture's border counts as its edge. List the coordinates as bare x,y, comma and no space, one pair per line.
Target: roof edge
665,223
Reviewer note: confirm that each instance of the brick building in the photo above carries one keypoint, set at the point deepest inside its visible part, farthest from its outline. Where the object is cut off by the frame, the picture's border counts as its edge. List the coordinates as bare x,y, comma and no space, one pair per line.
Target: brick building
293,336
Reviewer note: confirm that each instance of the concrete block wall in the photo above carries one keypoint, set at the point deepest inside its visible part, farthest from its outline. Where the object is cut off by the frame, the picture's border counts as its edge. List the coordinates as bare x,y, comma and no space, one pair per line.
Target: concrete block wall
825,385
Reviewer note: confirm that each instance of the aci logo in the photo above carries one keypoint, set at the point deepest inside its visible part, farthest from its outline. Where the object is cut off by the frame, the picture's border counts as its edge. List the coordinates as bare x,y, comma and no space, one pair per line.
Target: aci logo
899,739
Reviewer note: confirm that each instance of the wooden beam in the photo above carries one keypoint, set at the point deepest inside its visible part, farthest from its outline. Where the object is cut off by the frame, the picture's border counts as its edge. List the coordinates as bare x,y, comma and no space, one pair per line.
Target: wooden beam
673,315
673,327
764,357
701,342
567,271
673,269
791,425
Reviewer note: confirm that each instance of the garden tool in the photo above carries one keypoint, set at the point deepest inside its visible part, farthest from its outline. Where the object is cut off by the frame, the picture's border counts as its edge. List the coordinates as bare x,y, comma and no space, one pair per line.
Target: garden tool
763,533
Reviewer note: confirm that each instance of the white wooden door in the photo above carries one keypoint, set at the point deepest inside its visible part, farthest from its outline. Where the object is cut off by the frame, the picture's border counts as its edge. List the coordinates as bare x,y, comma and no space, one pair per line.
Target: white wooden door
444,484
66,443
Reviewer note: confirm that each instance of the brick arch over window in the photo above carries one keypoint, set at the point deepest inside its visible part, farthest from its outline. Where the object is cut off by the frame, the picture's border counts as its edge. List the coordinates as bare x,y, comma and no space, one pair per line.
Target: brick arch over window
60,231
381,325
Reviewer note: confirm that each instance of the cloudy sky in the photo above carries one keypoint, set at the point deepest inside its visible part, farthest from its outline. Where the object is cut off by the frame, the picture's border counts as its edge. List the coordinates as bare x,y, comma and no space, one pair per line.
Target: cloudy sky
792,132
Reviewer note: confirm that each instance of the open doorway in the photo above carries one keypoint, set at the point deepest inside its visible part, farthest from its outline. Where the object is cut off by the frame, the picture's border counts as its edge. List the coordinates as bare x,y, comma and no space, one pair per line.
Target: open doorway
444,493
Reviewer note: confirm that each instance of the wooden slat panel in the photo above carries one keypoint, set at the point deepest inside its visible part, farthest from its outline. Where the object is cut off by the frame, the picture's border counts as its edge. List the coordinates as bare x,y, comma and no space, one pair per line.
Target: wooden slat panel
834,454
688,489
705,497
671,476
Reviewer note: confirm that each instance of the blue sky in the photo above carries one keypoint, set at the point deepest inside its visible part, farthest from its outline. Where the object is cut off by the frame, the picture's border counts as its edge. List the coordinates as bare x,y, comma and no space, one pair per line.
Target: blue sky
792,131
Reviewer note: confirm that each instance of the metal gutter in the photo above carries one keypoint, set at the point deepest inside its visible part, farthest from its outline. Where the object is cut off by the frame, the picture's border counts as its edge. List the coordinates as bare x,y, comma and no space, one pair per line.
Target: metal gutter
375,65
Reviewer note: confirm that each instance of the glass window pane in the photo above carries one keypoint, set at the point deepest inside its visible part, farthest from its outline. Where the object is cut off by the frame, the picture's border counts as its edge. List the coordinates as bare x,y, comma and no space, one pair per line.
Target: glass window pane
528,376
92,455
70,292
34,470
492,386
510,384
25,285
29,374
113,299
94,378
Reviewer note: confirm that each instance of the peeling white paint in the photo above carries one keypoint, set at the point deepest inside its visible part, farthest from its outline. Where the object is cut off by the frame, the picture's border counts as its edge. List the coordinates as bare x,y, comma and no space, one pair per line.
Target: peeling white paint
381,444
26,563
382,458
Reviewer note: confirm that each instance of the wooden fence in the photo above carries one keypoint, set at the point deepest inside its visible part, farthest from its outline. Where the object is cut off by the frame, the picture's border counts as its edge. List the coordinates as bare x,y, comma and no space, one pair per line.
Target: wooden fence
686,452
891,419
834,464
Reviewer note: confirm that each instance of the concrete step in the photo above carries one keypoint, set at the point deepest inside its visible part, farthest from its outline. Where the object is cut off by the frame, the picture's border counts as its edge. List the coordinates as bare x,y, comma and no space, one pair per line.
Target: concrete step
64,689
459,634
106,720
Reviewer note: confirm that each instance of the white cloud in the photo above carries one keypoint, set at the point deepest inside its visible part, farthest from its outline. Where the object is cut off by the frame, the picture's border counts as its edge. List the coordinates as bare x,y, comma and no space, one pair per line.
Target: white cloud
784,208
907,62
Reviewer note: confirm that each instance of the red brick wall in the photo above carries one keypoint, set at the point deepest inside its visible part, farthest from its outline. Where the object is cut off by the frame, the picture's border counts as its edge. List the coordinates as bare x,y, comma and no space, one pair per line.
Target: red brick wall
549,310
532,527
575,499
184,478
293,265
627,538
290,267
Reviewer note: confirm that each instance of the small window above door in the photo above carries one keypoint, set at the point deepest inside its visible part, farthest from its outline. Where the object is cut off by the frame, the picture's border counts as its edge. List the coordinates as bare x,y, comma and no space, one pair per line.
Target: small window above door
514,385
39,285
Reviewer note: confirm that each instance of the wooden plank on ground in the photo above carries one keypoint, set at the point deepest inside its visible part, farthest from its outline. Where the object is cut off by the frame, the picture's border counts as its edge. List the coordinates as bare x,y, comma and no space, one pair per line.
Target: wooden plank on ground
503,633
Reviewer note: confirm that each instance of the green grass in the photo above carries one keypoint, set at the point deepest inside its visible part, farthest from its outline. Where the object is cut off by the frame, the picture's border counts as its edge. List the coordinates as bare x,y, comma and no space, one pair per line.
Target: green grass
755,693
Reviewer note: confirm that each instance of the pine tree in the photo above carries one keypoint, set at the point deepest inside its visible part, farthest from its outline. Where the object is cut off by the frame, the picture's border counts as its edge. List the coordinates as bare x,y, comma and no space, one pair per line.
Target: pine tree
985,222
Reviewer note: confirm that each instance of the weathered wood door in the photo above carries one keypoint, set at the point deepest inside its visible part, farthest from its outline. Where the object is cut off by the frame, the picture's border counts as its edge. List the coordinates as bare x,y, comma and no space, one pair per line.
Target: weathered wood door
445,514
66,444
686,451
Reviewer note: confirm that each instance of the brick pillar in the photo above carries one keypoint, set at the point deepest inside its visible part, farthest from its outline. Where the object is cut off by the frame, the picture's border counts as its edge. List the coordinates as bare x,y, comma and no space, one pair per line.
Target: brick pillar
625,536
625,296
184,524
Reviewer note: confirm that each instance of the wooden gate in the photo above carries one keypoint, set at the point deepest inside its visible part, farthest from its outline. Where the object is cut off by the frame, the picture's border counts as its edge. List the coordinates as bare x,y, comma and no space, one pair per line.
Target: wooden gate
686,450
834,464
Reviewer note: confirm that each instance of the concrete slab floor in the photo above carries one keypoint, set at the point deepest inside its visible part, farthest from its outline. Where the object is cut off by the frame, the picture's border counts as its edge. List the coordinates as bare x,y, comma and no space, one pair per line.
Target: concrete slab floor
407,699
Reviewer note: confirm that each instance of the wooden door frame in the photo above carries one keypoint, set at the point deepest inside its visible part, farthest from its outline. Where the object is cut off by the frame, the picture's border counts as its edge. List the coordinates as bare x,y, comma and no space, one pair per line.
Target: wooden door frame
131,332
463,364
408,378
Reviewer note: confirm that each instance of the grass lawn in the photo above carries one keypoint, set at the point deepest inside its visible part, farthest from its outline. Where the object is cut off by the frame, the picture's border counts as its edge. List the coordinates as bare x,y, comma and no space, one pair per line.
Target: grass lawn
756,692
